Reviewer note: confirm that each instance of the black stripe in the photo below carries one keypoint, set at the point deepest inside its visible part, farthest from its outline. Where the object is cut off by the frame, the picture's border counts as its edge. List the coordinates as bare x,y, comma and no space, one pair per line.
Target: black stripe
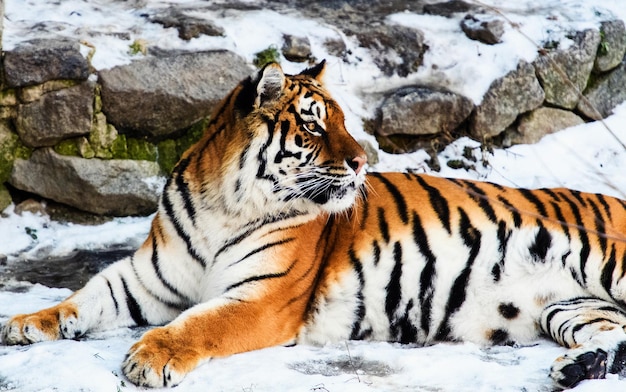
481,198
600,228
517,218
584,239
408,331
169,210
117,307
157,271
364,210
183,189
504,236
531,197
550,193
359,314
578,196
540,246
394,288
133,306
257,278
587,323
607,272
383,225
472,238
438,203
561,219
606,206
263,248
397,196
254,226
427,276
376,252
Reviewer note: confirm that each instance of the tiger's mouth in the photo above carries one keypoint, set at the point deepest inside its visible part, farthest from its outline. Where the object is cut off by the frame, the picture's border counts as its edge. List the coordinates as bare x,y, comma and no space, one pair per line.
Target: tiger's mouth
335,194
330,193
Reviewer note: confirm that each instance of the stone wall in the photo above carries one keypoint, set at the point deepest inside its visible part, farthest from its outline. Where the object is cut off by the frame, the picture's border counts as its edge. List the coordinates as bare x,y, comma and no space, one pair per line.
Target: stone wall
102,141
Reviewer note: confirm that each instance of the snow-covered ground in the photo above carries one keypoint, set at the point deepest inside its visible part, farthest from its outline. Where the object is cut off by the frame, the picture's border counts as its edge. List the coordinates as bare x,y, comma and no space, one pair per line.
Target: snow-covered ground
586,157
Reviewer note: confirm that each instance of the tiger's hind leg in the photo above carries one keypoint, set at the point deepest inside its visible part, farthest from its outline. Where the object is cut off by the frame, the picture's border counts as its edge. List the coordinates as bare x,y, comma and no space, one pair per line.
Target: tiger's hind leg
594,331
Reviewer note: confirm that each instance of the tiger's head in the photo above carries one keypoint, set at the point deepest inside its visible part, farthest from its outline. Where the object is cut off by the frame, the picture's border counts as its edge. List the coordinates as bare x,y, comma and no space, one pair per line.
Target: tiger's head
292,152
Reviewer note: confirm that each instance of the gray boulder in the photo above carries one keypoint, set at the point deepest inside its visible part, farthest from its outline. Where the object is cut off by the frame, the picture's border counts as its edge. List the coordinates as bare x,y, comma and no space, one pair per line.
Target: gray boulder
540,122
607,91
515,93
395,49
296,49
40,60
57,115
111,187
612,45
159,96
419,110
188,26
563,74
484,28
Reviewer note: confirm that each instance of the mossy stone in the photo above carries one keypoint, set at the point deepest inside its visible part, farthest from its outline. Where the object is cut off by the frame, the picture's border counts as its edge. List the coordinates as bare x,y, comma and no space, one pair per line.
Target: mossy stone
8,97
193,134
67,147
168,156
8,144
5,198
143,150
119,148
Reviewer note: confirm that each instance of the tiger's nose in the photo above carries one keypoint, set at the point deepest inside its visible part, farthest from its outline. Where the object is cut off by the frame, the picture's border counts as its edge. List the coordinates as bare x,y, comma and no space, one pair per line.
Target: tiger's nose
357,163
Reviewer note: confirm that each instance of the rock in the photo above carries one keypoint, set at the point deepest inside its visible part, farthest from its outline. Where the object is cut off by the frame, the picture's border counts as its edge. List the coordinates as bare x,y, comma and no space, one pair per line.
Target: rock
40,60
5,201
419,110
563,73
604,94
8,144
540,122
111,187
484,28
612,45
370,151
159,96
395,49
188,26
296,49
515,93
56,116
448,8
31,205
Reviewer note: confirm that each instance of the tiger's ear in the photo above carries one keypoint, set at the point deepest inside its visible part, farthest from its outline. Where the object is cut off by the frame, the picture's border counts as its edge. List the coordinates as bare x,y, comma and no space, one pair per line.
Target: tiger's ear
271,84
316,72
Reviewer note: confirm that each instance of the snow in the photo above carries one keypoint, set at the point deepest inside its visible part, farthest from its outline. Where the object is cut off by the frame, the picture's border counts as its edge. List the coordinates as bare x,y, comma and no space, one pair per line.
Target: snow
589,157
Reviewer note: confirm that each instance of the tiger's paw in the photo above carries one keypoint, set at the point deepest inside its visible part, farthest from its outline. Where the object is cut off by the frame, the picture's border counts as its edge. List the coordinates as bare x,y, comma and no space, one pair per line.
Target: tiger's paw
159,359
577,365
59,322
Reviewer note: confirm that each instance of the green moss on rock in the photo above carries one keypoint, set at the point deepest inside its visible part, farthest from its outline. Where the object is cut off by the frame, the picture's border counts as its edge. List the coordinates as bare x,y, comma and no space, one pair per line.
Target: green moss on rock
67,147
5,197
142,150
8,143
119,148
168,156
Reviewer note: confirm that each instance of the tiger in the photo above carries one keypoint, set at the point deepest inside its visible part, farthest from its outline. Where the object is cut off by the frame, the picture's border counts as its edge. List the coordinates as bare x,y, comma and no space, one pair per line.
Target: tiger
269,231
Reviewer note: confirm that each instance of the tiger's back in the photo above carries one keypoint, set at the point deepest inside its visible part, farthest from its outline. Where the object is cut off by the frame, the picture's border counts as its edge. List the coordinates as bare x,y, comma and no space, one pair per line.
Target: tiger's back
269,232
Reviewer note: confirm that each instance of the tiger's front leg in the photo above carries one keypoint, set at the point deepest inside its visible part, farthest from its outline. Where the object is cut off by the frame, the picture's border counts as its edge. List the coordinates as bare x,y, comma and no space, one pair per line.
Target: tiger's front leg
113,298
219,327
594,330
